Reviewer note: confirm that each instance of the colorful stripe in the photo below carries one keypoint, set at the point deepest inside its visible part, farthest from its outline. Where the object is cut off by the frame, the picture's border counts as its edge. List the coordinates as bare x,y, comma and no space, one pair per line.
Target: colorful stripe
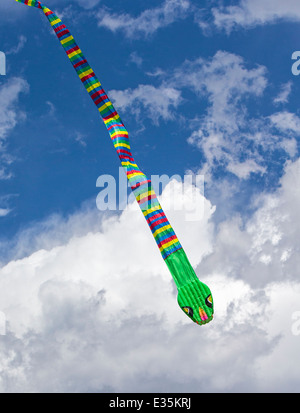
141,186
194,297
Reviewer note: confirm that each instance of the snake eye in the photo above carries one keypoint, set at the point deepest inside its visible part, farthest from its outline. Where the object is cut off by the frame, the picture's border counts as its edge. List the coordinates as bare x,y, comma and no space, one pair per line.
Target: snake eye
188,310
208,301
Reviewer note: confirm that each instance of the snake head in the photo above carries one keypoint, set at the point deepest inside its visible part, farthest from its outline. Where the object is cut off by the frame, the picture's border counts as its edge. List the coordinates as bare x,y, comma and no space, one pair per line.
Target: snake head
196,301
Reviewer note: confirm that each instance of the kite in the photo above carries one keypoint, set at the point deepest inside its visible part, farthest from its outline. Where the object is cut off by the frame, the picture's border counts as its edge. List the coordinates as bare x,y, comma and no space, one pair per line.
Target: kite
194,297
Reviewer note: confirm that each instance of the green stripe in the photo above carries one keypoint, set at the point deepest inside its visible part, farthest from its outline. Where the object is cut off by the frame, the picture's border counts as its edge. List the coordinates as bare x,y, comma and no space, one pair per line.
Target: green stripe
76,56
107,109
120,140
91,82
85,69
69,43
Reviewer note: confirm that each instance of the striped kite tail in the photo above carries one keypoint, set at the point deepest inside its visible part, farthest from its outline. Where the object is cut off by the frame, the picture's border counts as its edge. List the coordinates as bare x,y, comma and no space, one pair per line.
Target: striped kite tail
141,186
32,3
194,297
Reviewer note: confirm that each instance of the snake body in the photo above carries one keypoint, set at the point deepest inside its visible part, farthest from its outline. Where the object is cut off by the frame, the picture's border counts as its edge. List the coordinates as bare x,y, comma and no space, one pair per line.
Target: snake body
194,297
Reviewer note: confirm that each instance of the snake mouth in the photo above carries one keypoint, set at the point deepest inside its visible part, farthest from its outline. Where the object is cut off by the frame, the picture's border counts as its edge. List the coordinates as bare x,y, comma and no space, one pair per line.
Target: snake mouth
205,321
203,315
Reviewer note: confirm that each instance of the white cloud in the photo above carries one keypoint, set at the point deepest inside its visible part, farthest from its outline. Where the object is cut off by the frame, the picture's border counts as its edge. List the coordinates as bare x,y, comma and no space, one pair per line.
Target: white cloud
226,130
284,93
10,115
228,136
286,121
155,102
243,169
94,314
250,13
264,249
136,59
9,95
16,49
148,22
4,212
87,4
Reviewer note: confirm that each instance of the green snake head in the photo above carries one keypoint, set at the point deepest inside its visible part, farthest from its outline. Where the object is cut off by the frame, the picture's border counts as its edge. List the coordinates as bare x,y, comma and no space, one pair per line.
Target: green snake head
196,301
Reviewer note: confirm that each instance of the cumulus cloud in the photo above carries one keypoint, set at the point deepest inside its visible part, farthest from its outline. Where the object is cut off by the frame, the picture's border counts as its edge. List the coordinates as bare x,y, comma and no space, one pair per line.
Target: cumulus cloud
91,314
148,22
250,13
263,250
228,136
155,103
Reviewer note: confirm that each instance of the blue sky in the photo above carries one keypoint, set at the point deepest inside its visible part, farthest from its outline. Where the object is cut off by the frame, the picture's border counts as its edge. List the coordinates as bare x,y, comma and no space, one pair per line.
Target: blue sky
203,87
57,152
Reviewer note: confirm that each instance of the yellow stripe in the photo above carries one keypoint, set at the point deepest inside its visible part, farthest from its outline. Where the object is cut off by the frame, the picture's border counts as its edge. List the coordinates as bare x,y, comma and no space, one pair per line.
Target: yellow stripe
168,244
55,22
112,135
123,145
134,174
45,10
93,86
74,53
126,163
87,72
159,230
156,208
144,195
116,117
106,105
67,39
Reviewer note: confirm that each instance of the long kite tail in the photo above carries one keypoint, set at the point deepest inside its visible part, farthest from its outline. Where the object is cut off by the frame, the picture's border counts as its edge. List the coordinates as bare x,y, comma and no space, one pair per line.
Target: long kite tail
190,290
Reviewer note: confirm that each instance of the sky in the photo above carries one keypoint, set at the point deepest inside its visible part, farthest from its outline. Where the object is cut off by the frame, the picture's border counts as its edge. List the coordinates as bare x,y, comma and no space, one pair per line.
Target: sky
204,88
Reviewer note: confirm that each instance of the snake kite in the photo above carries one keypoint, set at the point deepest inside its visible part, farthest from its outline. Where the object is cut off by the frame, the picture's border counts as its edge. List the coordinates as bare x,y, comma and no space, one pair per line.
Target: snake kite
194,297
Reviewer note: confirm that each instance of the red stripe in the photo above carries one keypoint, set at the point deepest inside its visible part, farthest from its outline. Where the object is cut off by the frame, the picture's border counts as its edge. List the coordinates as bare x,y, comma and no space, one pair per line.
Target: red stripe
160,221
83,79
57,29
140,183
79,63
126,158
26,2
48,13
118,125
62,33
161,214
111,115
99,92
120,135
165,241
147,198
100,99
133,171
72,50
124,151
